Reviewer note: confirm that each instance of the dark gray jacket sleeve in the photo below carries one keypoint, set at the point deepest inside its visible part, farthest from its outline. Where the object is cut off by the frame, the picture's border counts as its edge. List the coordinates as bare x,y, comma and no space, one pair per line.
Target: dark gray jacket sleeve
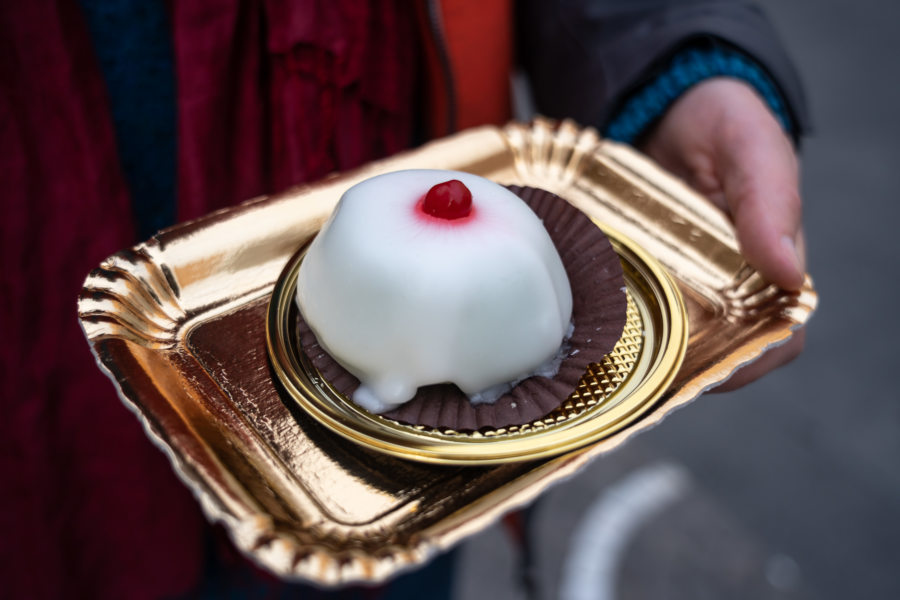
585,57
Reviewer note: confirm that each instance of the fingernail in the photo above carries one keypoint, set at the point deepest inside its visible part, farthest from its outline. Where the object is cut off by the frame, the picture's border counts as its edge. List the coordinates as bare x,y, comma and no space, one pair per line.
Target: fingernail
788,243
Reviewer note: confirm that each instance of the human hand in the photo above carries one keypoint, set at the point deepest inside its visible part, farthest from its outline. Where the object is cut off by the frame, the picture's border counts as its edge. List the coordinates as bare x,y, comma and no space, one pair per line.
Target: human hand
722,139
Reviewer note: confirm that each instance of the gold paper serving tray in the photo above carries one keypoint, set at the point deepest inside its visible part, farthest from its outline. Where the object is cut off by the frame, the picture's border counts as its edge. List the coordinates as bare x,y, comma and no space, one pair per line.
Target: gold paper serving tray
178,323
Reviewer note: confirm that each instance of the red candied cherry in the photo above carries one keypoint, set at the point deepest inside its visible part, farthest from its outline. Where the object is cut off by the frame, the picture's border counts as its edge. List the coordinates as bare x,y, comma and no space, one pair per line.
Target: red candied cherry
448,200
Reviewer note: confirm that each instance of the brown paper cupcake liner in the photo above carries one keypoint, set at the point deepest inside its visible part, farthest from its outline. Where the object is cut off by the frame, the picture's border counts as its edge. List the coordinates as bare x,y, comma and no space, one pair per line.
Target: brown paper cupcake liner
598,313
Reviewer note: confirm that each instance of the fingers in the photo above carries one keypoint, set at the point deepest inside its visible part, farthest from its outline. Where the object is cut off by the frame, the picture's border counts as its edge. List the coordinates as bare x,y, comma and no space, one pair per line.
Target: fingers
759,174
722,139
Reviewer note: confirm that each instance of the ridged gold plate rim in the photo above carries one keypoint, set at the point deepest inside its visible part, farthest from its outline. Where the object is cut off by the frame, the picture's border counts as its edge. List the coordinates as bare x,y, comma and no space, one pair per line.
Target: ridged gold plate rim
610,396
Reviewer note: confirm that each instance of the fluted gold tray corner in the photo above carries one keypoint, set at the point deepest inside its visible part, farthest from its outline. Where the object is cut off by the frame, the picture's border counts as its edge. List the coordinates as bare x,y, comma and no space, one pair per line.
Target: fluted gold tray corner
179,325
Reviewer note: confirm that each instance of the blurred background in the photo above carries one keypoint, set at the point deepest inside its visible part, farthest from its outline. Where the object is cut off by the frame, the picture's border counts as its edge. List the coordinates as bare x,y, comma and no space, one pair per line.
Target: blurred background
790,487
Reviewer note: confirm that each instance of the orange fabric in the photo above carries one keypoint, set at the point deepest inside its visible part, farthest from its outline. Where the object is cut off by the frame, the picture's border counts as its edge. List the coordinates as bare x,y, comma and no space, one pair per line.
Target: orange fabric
478,39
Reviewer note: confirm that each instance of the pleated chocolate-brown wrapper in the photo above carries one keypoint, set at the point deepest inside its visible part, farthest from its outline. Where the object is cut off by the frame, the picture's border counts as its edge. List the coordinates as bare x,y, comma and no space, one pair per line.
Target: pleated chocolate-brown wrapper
598,314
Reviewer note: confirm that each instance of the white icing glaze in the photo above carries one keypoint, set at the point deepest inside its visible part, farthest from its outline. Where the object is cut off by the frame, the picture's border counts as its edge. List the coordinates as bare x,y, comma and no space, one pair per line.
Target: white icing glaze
401,299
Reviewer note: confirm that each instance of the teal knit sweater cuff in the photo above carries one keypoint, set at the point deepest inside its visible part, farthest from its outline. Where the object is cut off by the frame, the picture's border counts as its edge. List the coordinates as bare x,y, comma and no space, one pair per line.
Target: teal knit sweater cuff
687,68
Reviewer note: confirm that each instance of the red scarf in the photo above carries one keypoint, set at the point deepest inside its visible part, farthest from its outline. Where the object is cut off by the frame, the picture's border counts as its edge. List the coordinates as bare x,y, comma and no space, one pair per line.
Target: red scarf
270,94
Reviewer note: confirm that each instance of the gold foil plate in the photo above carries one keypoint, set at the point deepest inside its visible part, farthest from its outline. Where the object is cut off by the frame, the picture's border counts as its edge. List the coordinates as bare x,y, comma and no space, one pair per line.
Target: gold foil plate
611,394
178,323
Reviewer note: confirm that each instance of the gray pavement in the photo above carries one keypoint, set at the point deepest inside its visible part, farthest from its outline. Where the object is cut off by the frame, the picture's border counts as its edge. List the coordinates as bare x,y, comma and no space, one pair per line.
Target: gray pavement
790,487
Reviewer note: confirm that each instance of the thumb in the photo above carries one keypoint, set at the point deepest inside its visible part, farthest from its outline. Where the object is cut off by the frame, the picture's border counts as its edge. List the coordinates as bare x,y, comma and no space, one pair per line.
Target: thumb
759,175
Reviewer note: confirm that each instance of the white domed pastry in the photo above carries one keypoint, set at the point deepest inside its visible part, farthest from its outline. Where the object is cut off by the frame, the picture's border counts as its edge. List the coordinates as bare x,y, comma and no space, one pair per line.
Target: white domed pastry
407,286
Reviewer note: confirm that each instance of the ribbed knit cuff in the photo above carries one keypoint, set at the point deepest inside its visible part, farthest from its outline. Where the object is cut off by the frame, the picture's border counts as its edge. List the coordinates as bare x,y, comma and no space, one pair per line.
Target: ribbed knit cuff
686,69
